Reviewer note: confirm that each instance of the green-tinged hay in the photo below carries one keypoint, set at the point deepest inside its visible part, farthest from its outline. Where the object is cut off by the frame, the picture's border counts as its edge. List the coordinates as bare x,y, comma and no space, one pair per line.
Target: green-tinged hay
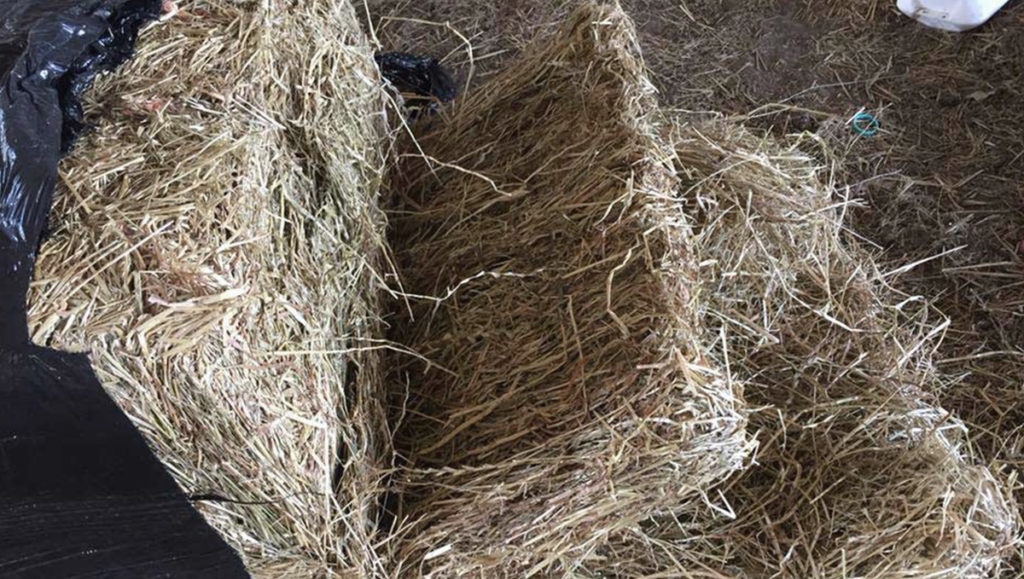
550,278
859,473
214,246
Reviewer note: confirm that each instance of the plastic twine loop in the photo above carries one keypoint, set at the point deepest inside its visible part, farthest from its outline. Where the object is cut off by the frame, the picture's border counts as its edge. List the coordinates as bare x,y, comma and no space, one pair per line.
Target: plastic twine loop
865,124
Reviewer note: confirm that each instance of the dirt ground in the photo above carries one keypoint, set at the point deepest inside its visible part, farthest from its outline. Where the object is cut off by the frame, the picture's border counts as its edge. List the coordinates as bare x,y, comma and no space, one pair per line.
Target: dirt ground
941,182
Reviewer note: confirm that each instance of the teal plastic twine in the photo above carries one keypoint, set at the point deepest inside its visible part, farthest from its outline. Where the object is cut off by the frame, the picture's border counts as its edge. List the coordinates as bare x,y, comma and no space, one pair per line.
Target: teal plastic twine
866,125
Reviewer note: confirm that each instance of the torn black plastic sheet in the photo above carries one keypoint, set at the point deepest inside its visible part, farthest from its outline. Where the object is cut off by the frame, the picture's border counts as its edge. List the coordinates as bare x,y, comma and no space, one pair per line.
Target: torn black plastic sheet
81,494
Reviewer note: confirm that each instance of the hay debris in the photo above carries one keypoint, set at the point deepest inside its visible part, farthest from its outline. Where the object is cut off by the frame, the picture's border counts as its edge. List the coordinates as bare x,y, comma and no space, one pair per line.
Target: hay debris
214,246
568,398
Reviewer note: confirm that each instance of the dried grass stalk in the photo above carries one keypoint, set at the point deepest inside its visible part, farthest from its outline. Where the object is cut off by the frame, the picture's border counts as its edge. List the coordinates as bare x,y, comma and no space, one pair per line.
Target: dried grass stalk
568,398
214,246
859,472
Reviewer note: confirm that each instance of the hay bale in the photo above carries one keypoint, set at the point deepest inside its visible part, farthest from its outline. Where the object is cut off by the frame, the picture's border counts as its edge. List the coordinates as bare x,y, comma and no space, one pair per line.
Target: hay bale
548,265
214,245
859,473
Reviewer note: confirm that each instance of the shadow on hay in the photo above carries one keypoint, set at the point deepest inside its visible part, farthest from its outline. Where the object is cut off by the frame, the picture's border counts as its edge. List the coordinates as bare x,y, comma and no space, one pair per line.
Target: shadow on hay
548,280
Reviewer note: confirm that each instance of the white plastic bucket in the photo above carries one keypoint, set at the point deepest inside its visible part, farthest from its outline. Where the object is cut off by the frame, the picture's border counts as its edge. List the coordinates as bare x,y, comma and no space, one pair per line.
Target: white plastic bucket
955,15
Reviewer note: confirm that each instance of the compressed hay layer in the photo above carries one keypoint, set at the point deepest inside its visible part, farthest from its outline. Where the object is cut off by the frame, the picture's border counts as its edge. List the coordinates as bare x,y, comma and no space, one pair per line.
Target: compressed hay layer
214,245
567,398
859,474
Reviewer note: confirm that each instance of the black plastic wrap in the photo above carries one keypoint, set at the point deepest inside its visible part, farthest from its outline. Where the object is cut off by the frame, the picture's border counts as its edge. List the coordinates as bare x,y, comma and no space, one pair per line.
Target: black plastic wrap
417,77
81,494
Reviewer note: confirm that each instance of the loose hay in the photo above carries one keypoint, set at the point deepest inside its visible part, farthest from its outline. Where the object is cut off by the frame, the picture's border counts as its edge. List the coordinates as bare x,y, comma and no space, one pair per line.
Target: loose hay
568,399
859,473
214,246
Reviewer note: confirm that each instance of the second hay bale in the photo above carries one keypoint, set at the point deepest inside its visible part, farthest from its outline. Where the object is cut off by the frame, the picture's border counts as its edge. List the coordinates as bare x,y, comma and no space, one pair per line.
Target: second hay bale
547,261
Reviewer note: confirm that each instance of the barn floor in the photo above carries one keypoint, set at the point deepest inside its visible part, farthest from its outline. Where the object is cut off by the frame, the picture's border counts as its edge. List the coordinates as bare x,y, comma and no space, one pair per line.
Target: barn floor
940,184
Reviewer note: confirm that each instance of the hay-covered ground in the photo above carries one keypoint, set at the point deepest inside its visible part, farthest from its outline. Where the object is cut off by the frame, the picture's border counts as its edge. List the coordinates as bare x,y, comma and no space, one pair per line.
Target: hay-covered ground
943,178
